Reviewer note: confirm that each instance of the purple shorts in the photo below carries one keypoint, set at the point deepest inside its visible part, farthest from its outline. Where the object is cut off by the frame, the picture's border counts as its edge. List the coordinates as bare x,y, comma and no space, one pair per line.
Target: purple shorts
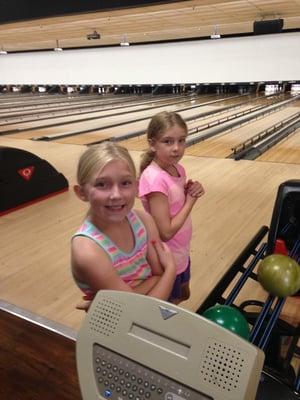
182,278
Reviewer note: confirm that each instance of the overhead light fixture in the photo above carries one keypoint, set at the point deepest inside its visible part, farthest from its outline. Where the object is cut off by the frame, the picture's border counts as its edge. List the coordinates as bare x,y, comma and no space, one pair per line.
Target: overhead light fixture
124,41
2,51
215,34
93,36
57,48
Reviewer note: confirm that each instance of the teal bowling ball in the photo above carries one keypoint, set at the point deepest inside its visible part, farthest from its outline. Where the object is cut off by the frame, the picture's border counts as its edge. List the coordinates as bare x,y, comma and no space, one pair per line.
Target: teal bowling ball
279,275
229,318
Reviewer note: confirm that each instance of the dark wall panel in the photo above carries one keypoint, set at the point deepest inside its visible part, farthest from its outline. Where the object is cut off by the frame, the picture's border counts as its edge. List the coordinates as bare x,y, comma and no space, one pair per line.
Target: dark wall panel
17,10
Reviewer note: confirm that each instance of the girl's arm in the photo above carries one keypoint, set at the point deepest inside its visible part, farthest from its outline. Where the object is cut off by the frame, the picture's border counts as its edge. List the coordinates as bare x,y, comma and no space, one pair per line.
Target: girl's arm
159,209
152,236
90,264
160,259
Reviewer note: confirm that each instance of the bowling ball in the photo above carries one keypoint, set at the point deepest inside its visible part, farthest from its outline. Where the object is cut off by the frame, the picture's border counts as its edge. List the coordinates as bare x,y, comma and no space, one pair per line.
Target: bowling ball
229,318
279,275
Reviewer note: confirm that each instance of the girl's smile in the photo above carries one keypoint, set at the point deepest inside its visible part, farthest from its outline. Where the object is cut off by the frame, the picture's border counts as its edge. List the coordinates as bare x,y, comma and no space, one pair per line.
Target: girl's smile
111,193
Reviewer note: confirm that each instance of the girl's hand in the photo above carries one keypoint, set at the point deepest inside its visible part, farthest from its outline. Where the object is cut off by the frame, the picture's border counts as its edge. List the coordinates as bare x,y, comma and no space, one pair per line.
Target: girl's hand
84,305
194,189
164,254
187,186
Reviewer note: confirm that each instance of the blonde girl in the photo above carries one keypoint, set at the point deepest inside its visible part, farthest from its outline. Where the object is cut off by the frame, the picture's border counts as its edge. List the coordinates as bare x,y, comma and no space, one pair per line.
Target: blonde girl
116,247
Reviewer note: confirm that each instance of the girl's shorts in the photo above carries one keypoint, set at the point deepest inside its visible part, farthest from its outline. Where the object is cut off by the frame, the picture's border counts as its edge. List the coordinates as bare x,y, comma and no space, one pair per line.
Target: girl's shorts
182,278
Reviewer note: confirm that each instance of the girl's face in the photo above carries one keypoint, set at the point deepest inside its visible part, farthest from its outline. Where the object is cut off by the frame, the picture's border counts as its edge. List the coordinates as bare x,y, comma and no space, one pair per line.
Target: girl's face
111,192
169,147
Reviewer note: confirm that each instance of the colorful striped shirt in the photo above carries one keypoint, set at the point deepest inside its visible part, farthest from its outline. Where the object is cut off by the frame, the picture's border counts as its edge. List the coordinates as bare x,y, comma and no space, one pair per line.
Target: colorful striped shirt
130,266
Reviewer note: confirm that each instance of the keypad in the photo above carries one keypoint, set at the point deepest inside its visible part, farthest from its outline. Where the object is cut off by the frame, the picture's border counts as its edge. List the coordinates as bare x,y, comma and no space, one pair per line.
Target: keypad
119,378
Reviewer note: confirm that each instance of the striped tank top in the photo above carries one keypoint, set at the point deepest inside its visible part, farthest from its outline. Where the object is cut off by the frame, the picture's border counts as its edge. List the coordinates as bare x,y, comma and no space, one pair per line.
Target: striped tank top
130,266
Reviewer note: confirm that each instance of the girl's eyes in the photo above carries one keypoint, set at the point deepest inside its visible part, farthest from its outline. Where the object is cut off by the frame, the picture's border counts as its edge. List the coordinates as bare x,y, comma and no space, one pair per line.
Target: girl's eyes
107,185
127,183
101,184
168,141
171,141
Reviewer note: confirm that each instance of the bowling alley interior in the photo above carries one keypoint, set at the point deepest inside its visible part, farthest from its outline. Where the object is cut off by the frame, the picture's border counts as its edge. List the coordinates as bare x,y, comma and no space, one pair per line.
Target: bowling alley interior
77,75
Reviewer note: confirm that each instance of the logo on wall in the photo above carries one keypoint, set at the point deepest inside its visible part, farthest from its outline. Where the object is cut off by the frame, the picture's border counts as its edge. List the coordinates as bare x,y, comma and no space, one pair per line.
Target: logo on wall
26,173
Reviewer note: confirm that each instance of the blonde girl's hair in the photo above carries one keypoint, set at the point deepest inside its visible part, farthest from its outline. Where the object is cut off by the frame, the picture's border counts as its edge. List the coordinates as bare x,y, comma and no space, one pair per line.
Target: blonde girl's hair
158,125
95,158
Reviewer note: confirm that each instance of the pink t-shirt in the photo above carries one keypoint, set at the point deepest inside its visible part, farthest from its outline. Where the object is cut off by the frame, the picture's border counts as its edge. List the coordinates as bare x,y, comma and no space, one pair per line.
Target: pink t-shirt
155,179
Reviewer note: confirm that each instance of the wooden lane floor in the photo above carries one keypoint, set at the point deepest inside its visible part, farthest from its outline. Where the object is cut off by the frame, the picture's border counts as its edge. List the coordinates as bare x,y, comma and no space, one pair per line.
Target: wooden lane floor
42,100
221,145
24,113
287,151
123,130
35,241
85,111
95,127
64,107
238,106
139,126
20,98
194,117
24,104
47,223
140,142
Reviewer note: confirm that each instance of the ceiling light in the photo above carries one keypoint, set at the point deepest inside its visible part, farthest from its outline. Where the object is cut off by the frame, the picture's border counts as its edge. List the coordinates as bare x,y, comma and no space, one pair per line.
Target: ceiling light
57,48
124,41
215,34
2,51
94,35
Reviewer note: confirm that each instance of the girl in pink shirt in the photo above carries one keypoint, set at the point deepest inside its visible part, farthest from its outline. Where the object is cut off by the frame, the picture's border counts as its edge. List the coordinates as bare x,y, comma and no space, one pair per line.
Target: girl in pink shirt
167,194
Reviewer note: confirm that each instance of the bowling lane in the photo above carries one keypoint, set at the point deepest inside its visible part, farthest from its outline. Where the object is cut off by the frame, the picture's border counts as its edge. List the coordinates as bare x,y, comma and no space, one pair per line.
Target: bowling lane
128,128
60,117
19,99
238,106
139,126
287,151
221,145
140,142
38,111
40,102
72,127
105,126
77,128
65,107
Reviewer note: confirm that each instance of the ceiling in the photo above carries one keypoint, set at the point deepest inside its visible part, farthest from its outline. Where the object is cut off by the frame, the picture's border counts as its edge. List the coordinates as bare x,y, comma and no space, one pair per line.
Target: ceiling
171,21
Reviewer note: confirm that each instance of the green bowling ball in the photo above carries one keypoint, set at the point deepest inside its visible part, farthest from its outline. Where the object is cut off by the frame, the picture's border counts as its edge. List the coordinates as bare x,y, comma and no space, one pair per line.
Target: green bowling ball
229,318
279,275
